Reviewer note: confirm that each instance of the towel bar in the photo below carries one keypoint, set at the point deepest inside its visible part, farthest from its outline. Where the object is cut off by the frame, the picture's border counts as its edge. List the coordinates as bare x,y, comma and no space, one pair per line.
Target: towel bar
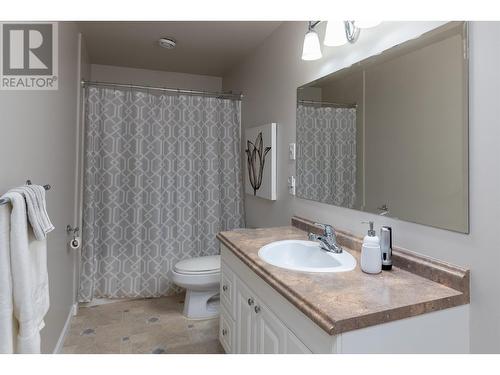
28,182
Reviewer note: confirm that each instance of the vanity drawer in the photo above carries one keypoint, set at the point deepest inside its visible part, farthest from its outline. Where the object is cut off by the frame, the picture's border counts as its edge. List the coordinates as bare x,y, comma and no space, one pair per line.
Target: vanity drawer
226,331
227,285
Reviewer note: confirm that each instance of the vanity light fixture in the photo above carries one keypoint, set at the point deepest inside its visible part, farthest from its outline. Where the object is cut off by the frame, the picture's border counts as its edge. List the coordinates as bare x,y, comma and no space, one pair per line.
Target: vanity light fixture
311,50
351,31
367,24
337,33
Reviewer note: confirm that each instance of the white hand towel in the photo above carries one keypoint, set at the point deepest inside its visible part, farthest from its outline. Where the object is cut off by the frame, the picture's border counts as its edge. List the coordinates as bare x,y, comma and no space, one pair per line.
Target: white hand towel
8,324
32,207
37,212
30,286
40,193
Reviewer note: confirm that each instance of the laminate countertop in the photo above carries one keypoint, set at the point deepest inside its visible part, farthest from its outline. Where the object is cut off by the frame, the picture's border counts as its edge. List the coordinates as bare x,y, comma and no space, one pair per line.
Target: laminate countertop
345,301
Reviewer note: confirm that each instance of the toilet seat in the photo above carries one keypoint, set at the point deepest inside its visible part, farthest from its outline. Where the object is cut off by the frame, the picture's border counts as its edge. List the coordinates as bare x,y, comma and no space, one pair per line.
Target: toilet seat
199,266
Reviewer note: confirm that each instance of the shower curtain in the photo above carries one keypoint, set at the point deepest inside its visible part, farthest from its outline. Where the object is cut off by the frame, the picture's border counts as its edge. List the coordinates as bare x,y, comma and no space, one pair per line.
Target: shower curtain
161,178
326,154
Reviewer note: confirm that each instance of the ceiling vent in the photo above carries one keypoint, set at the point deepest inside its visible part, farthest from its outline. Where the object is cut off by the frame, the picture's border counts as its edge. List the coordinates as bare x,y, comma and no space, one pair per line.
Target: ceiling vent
167,43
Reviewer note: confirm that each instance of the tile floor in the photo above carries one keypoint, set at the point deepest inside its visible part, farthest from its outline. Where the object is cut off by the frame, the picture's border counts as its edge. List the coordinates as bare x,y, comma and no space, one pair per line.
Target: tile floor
153,325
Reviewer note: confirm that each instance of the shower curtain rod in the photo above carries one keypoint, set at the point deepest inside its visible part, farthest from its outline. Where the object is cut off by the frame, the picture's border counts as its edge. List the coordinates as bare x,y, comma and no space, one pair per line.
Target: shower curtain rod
167,89
329,104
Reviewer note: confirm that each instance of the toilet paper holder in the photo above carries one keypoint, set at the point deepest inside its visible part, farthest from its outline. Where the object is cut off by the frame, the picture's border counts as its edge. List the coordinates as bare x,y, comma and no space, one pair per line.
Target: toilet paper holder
75,242
72,230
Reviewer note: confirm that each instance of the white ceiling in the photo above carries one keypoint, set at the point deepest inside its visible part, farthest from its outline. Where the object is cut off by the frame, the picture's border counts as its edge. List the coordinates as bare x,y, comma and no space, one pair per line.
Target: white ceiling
206,47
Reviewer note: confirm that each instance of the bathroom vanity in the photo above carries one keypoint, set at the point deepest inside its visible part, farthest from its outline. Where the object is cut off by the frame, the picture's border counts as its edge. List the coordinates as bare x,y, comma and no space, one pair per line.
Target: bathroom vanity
368,137
421,306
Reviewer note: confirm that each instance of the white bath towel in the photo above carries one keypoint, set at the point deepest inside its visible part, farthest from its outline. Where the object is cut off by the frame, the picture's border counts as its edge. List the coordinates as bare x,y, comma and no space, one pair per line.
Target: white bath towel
28,268
8,325
37,211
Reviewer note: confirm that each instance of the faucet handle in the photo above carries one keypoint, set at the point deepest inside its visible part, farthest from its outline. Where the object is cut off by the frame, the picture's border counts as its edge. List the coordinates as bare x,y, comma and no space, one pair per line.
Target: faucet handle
327,228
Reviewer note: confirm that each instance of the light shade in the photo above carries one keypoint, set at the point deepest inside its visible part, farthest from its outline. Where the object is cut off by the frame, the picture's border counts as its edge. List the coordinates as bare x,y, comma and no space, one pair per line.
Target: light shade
335,34
311,49
366,24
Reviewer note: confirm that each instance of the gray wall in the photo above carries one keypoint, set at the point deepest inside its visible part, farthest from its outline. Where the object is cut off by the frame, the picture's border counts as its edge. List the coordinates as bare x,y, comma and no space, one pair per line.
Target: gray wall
269,79
121,74
38,130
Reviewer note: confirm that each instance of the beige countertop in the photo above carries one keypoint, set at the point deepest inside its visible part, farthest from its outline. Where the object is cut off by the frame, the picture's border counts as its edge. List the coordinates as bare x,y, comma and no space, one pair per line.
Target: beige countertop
344,301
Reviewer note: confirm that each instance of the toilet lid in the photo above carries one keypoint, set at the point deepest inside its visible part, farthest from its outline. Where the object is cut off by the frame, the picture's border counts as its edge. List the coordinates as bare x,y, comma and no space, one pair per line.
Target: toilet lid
207,264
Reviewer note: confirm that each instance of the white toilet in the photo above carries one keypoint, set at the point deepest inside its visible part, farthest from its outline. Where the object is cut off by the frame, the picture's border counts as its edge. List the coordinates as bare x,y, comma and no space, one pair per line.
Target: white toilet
201,279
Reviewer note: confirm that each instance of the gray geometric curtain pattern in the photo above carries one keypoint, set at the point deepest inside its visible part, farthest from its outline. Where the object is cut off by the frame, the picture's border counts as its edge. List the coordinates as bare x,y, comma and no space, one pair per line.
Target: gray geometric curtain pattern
161,178
326,154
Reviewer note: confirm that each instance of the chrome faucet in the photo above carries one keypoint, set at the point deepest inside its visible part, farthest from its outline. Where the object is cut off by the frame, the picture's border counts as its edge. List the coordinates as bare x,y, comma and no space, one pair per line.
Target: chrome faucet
327,241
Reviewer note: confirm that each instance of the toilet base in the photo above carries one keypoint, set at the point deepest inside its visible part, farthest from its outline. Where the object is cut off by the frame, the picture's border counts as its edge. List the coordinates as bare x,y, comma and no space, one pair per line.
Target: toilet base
201,304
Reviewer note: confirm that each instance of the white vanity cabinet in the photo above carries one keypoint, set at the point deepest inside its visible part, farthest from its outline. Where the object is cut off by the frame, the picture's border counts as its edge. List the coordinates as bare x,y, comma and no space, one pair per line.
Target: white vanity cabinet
257,329
249,321
255,318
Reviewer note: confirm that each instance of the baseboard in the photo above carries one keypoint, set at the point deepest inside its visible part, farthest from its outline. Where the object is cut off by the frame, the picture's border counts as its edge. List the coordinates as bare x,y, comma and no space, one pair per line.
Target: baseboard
75,309
60,342
105,301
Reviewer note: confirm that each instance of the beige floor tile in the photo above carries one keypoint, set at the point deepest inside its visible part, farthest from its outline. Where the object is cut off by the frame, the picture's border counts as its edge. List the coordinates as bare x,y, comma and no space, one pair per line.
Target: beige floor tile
99,317
196,336
141,326
142,348
209,347
88,347
174,338
108,347
111,333
79,339
174,319
69,349
126,348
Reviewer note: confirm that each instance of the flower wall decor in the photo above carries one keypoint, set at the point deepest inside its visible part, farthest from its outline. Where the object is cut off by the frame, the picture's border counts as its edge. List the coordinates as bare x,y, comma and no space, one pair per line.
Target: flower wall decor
260,166
256,159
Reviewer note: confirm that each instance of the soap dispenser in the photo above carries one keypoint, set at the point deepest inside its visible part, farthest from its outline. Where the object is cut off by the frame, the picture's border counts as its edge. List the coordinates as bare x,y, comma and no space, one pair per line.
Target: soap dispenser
371,256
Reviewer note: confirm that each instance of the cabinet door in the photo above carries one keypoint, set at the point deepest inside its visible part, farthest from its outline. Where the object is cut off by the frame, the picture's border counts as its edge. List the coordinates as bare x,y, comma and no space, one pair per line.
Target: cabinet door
271,333
226,331
227,289
245,327
294,345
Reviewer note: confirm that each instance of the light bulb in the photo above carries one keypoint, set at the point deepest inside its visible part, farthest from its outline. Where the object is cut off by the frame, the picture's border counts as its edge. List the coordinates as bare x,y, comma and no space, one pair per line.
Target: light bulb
366,24
311,49
335,34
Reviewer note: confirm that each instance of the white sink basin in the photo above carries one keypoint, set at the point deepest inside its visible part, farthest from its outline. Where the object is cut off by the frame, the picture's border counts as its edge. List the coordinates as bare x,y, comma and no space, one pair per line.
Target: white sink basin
306,256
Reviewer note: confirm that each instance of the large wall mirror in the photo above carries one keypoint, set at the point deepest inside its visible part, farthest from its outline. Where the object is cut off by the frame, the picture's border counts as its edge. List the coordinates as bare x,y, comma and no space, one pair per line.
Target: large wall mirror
389,135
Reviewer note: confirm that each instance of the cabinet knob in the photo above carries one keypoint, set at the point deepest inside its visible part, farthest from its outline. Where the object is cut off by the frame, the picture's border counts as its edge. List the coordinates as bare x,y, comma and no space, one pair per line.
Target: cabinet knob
224,332
257,309
224,287
250,301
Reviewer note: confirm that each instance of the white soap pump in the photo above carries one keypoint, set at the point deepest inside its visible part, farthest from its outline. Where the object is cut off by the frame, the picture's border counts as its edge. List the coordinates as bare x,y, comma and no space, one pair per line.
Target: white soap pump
371,256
